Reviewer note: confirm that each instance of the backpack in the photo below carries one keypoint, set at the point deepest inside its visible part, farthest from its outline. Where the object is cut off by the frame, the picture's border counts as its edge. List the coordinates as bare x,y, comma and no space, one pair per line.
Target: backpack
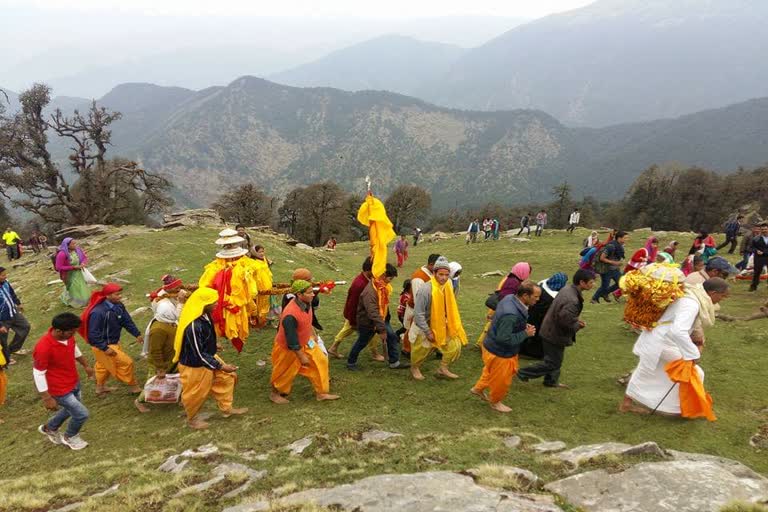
584,251
52,256
600,266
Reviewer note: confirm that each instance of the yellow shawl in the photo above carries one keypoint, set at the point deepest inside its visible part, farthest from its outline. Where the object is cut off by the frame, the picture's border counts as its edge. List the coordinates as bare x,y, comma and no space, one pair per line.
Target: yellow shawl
263,274
706,307
192,310
445,320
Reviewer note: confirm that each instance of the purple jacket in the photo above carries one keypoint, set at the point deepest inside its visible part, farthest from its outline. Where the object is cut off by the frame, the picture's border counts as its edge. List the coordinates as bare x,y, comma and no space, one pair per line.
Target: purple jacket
63,264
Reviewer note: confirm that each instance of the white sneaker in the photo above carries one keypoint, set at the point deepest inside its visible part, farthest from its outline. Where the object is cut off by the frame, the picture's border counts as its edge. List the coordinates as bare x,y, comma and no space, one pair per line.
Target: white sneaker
53,437
75,442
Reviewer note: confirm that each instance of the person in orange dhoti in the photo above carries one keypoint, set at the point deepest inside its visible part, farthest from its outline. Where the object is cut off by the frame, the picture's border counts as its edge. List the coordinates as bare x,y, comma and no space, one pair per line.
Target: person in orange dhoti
234,277
668,378
202,372
103,320
296,350
3,380
509,329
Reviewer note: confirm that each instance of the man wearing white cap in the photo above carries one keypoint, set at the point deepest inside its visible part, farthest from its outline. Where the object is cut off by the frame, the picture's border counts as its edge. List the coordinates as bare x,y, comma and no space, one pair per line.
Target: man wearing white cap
436,323
234,278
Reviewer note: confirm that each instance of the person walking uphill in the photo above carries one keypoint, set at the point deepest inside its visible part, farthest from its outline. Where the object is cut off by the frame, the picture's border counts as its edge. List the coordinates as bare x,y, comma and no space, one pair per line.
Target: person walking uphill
202,372
559,329
296,350
11,319
732,230
373,318
608,260
401,251
58,383
541,221
573,220
70,262
436,323
12,239
102,322
509,329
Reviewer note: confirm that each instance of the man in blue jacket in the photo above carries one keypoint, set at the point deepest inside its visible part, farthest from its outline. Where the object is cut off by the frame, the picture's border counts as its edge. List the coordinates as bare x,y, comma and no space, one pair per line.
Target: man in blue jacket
103,321
509,329
11,319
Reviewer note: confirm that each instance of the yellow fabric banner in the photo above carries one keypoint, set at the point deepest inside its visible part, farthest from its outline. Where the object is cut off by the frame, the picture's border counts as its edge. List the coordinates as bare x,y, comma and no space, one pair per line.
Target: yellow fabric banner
380,231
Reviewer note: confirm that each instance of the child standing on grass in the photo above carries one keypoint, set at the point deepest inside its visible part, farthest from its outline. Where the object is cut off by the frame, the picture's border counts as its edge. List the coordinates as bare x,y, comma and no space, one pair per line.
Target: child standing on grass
406,297
58,383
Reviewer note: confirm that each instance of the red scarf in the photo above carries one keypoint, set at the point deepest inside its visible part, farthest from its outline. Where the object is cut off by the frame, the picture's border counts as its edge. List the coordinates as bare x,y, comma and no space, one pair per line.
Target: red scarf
97,298
222,283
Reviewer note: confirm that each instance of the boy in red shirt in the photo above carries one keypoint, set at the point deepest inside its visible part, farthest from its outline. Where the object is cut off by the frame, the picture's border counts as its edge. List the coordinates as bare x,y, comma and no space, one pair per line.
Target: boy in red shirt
57,380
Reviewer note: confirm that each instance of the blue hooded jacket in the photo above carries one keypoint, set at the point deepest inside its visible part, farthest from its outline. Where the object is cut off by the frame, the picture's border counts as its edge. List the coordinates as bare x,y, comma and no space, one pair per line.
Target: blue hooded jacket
507,331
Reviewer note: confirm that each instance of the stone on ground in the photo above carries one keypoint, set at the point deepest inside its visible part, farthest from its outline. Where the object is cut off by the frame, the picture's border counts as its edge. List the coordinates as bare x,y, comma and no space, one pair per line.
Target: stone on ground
675,486
549,447
432,491
377,436
172,465
590,452
512,441
298,447
203,452
506,477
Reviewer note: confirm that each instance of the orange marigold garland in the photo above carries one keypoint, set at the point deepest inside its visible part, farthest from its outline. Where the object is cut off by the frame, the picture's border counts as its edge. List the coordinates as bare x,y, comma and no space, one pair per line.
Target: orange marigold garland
649,291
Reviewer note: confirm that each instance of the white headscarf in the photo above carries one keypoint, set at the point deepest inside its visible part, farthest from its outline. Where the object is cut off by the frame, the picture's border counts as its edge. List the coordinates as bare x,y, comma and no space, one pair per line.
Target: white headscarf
454,267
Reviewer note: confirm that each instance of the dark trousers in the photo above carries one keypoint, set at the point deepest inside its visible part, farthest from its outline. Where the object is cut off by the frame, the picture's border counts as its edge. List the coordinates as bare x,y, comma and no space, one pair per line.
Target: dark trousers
20,327
606,287
760,263
364,337
549,368
571,227
728,240
539,229
527,228
12,251
744,260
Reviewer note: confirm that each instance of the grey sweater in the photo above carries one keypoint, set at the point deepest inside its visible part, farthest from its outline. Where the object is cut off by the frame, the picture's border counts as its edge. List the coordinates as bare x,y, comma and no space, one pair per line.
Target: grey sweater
422,308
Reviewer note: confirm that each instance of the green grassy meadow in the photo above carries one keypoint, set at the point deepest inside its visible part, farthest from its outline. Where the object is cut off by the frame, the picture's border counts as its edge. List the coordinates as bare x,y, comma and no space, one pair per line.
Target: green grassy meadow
444,427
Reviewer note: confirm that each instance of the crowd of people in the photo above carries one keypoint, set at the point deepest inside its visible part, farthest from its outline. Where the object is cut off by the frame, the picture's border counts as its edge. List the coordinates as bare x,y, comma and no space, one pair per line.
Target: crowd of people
236,293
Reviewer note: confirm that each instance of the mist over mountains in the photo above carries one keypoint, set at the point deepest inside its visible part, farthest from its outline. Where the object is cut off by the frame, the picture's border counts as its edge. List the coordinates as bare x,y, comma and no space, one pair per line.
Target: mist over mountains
614,61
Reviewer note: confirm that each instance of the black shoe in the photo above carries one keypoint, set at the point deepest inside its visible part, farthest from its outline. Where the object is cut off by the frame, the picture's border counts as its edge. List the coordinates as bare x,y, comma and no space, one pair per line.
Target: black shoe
353,368
595,301
521,378
752,289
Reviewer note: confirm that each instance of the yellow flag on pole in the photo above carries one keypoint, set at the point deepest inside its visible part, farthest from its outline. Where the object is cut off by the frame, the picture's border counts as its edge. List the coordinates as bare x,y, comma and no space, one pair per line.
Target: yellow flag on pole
380,231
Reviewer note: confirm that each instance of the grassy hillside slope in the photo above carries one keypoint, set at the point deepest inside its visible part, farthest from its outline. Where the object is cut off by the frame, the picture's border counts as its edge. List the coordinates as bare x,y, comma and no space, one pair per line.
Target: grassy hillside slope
443,427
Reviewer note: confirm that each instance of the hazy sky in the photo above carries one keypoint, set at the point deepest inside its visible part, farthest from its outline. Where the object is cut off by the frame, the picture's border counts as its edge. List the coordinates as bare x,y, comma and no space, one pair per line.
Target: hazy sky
390,8
86,47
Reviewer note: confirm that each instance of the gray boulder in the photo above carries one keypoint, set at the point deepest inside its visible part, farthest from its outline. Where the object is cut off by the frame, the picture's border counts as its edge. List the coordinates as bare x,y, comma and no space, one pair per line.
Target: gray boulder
675,486
549,447
421,492
590,452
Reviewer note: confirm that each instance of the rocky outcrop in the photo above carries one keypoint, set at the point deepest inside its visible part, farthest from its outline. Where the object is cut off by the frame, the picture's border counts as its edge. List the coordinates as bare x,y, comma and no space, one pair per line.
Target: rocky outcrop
438,490
674,486
199,217
592,452
78,232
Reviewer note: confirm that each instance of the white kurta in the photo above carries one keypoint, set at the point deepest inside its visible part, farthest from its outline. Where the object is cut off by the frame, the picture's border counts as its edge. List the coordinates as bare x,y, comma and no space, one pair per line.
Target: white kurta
415,285
669,341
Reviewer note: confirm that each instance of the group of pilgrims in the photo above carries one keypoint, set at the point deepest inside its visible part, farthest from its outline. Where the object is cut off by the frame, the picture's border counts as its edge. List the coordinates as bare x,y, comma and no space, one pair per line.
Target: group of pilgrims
236,293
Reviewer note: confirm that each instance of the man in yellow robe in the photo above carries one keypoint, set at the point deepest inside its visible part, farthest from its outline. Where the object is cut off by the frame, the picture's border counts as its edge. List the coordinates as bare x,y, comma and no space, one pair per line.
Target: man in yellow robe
297,350
436,323
234,277
203,373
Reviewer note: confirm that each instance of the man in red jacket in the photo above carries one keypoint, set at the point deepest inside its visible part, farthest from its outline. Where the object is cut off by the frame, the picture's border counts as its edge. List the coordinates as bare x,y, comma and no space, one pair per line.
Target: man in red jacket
350,312
58,383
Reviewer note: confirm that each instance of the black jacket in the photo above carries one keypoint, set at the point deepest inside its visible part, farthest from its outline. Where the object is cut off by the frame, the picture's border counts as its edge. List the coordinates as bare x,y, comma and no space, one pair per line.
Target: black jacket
758,244
561,322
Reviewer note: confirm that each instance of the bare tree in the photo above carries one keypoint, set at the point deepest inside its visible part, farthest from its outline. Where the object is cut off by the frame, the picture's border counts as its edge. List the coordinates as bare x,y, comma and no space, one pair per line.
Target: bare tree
247,204
103,189
407,206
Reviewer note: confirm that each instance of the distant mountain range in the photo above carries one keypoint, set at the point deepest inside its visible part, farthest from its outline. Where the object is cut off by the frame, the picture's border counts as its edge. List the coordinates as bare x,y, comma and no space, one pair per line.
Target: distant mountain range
387,63
280,137
611,62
